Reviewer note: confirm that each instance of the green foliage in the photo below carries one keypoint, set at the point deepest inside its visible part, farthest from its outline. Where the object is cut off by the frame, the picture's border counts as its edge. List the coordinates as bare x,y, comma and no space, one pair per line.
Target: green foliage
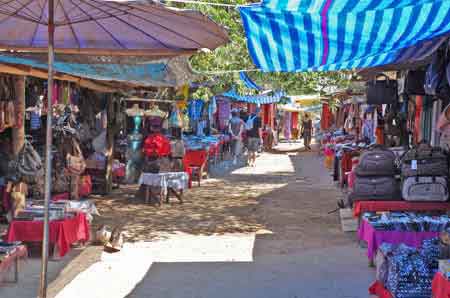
235,56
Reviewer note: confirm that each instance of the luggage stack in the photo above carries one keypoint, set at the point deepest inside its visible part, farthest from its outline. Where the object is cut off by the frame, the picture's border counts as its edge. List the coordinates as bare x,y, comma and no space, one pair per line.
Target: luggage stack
425,174
375,176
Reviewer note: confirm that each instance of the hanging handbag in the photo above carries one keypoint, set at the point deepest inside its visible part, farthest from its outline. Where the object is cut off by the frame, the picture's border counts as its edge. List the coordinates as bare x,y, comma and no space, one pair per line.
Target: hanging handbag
436,82
30,163
382,91
412,82
75,162
60,182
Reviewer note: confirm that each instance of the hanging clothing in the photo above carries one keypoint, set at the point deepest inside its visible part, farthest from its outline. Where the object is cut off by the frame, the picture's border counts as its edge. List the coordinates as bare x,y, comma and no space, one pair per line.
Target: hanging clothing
35,121
287,125
212,108
427,118
195,108
294,120
417,120
437,108
367,130
325,121
224,113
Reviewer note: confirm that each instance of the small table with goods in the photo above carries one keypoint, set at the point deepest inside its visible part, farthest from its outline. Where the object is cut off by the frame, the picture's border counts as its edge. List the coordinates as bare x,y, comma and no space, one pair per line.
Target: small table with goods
10,254
168,183
399,228
65,229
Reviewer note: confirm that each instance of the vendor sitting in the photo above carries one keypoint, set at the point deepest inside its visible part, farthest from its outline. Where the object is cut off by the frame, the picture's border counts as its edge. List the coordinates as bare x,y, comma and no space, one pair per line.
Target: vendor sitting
177,150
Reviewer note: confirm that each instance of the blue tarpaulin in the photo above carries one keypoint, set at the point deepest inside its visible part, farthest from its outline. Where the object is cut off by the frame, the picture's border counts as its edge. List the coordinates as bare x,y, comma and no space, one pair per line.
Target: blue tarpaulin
156,74
248,82
327,35
255,99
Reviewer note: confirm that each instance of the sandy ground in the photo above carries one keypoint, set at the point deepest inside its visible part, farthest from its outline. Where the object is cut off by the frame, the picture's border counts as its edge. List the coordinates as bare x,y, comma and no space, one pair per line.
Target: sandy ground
259,232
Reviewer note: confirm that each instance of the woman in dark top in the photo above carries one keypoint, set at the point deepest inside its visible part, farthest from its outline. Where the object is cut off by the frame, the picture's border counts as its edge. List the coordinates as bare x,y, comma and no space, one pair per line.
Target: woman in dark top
307,131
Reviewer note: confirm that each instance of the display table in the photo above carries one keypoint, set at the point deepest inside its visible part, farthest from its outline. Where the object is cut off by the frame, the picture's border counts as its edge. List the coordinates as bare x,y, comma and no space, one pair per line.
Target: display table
379,290
13,259
168,183
359,207
440,286
375,238
63,233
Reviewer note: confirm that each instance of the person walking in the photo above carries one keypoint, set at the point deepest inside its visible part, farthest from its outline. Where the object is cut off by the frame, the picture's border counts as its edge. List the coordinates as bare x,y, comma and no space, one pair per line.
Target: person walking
236,128
254,136
307,131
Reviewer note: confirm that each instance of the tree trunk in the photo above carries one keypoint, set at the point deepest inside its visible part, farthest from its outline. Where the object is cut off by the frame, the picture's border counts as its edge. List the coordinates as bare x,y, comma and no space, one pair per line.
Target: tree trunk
18,133
110,132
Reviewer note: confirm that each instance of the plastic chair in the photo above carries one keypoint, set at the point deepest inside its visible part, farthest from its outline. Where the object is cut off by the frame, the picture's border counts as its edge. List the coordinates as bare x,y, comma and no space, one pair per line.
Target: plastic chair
195,163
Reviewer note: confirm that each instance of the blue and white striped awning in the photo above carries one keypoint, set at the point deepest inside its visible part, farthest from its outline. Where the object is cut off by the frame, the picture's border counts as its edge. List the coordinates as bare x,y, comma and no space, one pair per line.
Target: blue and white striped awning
248,82
323,35
255,99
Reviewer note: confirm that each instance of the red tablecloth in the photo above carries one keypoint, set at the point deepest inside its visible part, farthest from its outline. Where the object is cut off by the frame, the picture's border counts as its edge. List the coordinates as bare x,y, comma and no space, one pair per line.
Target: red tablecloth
360,207
63,233
440,286
379,290
20,253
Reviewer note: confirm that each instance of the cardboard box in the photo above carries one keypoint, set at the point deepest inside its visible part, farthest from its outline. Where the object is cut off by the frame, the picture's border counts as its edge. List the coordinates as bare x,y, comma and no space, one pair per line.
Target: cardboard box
348,222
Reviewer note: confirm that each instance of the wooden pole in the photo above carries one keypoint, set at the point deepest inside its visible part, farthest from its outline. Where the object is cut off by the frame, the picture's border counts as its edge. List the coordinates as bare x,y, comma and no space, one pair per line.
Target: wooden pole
48,152
110,133
18,133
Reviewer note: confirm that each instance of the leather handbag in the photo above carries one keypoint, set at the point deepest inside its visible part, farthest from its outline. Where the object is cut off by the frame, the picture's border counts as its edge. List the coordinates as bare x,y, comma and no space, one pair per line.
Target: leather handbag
413,84
75,162
436,81
382,91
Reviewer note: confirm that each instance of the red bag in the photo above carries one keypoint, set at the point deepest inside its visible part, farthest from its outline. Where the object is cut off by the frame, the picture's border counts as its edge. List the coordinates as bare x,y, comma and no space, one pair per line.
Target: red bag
156,145
85,187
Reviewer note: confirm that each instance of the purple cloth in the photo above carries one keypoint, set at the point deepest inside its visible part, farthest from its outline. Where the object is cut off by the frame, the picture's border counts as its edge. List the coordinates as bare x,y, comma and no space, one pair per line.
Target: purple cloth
224,108
375,238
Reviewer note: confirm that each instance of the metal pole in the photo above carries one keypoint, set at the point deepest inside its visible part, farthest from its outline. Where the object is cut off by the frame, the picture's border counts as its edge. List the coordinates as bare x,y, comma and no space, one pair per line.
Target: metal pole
48,153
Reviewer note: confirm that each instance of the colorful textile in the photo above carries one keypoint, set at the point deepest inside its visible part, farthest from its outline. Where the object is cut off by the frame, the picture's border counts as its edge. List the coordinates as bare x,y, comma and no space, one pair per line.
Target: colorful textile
35,121
325,121
294,120
195,108
375,238
417,120
212,108
329,35
367,131
287,125
63,233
